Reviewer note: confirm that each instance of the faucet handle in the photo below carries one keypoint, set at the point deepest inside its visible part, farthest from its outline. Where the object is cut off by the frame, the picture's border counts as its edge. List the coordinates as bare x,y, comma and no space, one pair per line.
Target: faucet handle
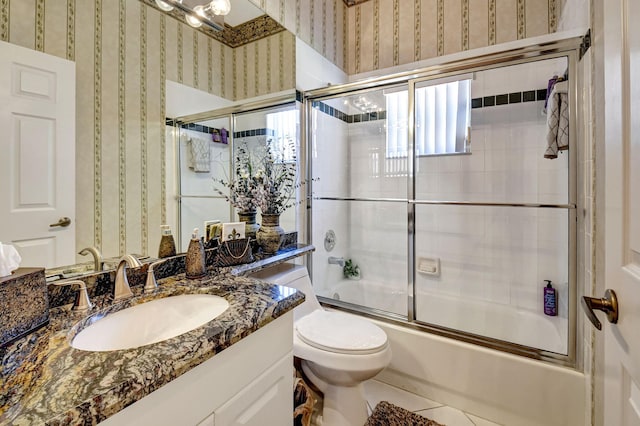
121,286
151,284
82,302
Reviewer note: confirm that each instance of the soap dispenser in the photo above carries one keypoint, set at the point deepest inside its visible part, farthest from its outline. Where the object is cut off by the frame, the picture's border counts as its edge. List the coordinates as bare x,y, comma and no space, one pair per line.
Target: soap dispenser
550,300
194,262
167,243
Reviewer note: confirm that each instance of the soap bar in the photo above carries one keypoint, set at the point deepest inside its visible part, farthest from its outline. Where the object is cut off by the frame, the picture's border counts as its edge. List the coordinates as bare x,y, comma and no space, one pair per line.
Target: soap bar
24,303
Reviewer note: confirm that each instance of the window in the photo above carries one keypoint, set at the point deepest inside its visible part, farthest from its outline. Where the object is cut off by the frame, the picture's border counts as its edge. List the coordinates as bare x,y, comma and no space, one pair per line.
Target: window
283,131
443,113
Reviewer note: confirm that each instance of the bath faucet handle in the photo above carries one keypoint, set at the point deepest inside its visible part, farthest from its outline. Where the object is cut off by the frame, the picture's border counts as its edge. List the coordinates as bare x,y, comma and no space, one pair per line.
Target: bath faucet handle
82,302
151,283
121,287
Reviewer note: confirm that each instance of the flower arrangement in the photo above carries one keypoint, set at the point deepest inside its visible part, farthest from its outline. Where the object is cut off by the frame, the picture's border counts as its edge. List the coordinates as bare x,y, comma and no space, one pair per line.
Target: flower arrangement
263,179
276,181
242,187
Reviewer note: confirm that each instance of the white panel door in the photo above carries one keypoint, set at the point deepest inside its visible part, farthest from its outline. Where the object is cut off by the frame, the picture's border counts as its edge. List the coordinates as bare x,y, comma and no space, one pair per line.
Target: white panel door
622,209
37,161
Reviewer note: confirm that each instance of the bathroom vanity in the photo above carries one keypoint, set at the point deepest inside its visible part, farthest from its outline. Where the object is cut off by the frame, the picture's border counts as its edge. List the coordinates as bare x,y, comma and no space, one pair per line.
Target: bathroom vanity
235,369
249,383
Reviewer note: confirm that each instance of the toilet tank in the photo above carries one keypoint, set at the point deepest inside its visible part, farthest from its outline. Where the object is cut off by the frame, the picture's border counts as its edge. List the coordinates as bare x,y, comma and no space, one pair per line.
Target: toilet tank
294,276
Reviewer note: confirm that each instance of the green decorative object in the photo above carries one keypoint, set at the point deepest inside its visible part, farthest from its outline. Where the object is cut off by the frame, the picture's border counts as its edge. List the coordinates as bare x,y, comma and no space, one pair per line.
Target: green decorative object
270,234
351,270
250,227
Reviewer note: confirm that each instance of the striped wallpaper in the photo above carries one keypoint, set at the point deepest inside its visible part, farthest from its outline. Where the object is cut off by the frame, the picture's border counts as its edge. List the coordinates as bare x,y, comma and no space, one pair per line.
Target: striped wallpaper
376,34
386,33
320,24
124,50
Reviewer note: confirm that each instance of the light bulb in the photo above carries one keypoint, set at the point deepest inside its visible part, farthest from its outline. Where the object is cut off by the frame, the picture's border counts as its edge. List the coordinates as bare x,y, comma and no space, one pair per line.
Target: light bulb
163,5
204,11
192,19
220,7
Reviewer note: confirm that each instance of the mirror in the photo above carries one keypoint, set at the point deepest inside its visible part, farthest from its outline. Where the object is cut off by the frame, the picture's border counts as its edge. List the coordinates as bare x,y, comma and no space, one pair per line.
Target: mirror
204,155
198,201
124,156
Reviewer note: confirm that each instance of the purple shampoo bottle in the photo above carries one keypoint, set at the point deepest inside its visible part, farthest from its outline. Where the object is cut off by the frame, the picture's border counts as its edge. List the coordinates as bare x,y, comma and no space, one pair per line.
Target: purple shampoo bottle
550,300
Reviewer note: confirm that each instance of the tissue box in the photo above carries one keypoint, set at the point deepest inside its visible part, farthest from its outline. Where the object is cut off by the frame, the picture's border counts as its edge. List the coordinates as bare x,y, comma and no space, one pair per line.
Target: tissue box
24,303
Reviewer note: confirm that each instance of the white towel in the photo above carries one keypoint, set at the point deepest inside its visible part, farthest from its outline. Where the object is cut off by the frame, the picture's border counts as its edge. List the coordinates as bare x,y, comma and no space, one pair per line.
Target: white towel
558,120
9,259
198,158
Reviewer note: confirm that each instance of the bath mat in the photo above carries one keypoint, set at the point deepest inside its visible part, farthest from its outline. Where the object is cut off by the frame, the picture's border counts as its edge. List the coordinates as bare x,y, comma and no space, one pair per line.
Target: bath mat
387,414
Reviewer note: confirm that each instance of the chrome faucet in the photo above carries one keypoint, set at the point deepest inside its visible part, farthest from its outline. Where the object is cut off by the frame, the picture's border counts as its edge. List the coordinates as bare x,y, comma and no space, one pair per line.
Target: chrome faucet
98,262
121,288
151,284
336,261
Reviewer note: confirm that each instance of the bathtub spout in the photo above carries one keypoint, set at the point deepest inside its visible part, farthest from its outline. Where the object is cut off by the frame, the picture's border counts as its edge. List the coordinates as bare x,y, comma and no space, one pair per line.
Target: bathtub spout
336,261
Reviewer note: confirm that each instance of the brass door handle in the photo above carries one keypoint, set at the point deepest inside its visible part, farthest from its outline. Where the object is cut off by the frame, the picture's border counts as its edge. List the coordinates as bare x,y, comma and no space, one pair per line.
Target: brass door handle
608,304
63,222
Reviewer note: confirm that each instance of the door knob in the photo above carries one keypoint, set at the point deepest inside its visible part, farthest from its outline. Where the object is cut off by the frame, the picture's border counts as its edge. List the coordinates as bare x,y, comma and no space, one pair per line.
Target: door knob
63,222
608,304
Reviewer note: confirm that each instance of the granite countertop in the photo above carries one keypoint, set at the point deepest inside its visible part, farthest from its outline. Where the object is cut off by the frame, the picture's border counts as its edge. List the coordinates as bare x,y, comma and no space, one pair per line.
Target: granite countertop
44,380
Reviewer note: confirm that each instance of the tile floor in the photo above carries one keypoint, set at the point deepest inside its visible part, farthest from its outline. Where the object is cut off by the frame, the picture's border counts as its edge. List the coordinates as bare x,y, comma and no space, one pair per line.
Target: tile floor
377,391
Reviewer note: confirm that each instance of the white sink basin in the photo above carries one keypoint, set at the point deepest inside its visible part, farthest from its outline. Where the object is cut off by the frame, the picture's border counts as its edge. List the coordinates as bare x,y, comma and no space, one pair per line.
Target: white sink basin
150,322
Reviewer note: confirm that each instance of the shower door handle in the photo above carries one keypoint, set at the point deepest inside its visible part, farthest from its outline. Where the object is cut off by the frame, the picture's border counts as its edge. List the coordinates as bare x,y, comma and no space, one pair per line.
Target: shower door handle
608,304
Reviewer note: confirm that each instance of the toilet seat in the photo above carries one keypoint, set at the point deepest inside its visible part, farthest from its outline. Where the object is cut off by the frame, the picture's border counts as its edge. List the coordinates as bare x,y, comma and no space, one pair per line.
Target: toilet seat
340,333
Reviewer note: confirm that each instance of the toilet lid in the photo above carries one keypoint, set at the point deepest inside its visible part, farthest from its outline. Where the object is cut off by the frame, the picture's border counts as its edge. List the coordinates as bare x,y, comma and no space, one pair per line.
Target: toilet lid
341,333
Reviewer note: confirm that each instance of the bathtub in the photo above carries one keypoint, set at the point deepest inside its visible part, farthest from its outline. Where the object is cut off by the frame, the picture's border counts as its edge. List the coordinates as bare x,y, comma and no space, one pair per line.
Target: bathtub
483,318
498,386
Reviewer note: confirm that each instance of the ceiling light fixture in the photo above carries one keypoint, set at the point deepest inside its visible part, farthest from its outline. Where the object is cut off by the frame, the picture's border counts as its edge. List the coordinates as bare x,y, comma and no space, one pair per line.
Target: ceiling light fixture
220,7
165,6
195,20
199,15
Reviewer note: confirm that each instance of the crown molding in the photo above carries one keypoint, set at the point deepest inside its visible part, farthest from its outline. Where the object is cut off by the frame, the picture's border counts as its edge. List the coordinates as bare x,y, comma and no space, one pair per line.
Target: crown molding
248,32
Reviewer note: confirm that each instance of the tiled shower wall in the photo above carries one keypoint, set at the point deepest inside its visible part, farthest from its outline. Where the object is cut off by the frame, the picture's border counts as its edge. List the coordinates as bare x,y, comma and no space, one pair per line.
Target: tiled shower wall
124,51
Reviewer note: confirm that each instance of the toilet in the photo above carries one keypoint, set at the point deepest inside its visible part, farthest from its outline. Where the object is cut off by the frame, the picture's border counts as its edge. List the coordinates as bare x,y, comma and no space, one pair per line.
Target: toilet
338,351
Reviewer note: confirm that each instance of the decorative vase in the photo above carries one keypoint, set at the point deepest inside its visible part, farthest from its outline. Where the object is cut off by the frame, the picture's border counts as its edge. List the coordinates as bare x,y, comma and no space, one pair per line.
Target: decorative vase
270,234
250,225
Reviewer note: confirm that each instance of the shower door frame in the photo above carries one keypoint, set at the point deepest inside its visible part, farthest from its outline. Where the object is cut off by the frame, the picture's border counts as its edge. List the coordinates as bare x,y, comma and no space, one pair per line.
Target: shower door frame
569,48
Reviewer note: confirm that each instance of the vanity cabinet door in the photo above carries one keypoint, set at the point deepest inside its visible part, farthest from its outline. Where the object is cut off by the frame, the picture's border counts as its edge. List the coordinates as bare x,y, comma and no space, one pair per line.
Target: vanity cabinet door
266,401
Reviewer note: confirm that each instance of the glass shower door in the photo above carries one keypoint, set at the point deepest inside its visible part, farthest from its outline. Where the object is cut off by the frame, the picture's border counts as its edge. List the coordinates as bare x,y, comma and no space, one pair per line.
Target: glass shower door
359,158
492,214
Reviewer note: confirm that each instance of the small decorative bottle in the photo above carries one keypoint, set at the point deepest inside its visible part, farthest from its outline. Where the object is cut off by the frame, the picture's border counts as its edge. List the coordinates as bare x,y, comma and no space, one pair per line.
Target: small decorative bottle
195,262
550,300
167,243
